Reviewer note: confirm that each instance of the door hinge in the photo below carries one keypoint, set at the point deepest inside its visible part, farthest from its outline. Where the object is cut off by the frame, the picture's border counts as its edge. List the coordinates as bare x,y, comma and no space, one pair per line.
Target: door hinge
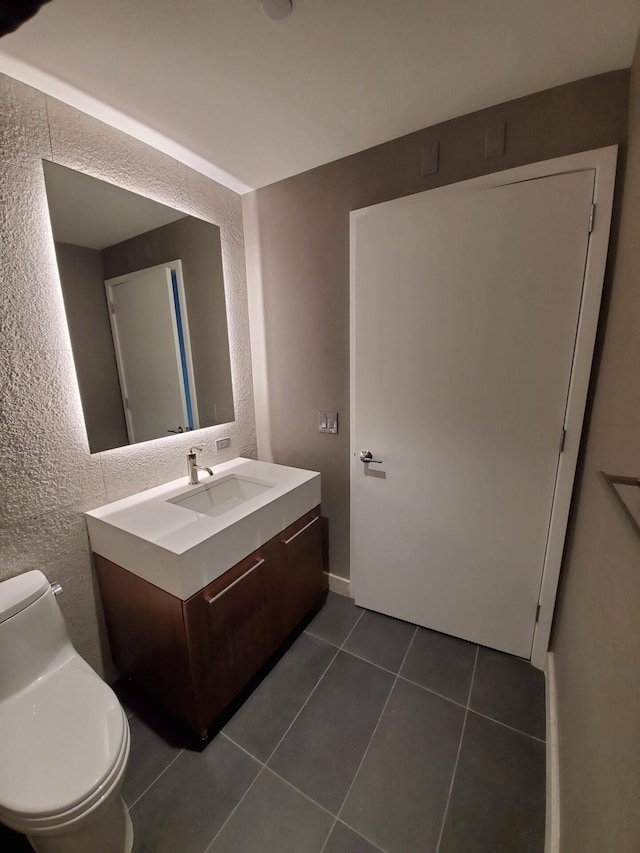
126,402
563,437
112,307
538,613
591,216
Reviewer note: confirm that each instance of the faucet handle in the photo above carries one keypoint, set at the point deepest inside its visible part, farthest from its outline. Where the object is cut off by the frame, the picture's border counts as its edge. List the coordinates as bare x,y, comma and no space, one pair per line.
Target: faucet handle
193,449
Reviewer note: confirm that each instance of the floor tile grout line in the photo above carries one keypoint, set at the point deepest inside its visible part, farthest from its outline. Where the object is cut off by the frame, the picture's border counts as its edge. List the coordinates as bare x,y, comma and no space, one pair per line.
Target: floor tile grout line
235,808
453,777
373,663
137,799
302,793
355,625
455,766
442,696
303,706
223,734
364,755
317,684
265,767
395,681
341,646
473,677
282,779
393,671
298,791
355,831
408,680
322,639
375,729
506,726
433,692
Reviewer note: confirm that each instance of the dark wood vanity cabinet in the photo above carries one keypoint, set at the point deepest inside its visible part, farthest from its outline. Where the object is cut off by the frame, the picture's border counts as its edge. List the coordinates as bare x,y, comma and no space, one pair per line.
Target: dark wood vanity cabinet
195,656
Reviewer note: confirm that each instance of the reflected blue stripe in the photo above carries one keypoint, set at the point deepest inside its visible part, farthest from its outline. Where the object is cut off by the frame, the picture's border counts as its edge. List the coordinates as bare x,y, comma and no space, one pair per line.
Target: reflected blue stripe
183,354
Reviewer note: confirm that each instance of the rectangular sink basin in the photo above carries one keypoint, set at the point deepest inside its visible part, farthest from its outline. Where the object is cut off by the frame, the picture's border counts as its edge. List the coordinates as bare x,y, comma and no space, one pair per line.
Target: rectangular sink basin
222,496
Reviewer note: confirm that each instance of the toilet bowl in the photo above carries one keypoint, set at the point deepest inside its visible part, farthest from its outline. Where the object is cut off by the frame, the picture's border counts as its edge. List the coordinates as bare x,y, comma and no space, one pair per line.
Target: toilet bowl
64,738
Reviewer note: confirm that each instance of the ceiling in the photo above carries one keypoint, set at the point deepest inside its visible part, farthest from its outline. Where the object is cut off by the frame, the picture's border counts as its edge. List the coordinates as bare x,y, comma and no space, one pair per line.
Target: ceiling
262,100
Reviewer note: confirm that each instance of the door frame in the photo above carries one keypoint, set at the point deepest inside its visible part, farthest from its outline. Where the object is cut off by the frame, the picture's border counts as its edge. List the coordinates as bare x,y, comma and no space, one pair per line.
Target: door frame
603,162
172,266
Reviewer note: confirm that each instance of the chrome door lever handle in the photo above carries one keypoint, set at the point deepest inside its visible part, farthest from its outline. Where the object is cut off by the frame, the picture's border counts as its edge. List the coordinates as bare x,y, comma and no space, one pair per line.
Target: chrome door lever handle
366,456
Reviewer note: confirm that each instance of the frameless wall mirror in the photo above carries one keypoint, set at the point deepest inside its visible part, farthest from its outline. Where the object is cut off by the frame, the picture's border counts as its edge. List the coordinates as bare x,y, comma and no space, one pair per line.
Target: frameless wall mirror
144,296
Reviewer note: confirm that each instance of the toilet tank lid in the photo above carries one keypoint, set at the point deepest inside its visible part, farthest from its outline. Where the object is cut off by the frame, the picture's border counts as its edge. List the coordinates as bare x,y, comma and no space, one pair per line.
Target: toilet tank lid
19,592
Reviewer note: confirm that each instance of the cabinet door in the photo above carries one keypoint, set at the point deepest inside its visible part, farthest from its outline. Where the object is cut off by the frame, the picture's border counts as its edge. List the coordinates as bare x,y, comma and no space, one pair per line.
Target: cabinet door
297,580
228,633
147,638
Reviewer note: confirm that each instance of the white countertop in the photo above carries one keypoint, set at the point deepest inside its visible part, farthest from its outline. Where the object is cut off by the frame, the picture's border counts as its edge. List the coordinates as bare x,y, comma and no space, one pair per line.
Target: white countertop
182,550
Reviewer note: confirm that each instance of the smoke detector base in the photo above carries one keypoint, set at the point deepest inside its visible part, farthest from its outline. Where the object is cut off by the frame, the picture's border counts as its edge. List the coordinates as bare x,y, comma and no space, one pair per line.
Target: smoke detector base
277,10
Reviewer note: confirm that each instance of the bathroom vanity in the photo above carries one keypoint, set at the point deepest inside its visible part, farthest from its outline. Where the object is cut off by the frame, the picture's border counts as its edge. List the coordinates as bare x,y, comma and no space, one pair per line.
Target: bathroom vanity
202,584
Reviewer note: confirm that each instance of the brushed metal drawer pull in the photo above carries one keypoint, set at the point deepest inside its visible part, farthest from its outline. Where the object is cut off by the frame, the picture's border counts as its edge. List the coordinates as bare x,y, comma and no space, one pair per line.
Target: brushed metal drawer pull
237,580
302,530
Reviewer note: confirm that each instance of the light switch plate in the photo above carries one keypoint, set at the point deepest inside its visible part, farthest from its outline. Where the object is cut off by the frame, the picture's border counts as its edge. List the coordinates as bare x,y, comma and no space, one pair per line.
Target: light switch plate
223,443
328,422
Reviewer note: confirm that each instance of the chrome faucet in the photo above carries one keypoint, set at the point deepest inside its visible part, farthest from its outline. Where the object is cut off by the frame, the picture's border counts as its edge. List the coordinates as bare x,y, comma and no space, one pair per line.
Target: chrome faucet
193,467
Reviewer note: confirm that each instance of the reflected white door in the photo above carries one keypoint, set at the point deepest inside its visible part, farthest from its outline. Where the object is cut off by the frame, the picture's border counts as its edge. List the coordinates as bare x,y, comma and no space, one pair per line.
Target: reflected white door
145,331
465,309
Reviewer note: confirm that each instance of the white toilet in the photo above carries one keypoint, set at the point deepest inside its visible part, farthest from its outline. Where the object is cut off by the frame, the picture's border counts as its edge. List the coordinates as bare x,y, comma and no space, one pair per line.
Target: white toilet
64,738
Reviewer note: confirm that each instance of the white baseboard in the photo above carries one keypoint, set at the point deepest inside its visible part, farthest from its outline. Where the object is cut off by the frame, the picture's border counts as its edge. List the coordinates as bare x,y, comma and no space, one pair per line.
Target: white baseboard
552,833
340,585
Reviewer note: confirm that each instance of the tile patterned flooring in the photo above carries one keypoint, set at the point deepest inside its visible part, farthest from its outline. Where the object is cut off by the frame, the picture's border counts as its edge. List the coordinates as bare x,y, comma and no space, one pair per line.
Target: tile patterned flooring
368,735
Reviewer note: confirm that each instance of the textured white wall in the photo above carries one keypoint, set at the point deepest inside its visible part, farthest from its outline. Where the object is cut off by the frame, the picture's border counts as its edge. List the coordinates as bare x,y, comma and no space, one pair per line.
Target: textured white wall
48,478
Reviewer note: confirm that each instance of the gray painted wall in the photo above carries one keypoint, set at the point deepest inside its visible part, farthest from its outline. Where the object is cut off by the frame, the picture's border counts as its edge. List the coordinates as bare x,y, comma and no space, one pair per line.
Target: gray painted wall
197,245
47,475
297,234
82,281
597,625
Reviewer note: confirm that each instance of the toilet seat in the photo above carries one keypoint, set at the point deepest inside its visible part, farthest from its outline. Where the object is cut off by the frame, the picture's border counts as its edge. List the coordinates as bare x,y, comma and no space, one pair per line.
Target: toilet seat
46,823
71,723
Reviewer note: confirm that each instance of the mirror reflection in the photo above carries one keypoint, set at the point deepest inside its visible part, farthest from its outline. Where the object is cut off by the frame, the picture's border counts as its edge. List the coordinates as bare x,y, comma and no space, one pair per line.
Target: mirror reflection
144,296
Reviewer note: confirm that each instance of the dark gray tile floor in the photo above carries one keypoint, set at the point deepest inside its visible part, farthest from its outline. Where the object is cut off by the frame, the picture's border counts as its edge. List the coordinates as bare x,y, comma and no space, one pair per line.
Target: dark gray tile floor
368,735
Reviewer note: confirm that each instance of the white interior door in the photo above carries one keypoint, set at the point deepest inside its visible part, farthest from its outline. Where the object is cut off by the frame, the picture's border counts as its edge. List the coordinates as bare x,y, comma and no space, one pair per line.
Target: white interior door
464,315
143,321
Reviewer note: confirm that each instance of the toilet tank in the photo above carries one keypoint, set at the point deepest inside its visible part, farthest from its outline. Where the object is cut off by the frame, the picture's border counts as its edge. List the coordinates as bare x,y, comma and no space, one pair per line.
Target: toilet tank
33,634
